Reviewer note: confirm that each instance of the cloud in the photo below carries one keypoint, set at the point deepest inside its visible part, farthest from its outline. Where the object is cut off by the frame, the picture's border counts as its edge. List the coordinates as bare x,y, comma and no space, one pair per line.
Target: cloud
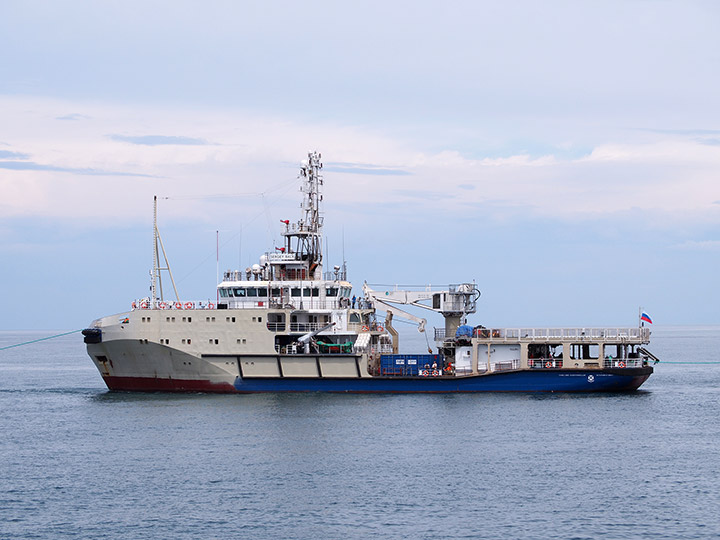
5,154
354,168
700,245
31,166
692,132
73,116
157,140
253,152
710,142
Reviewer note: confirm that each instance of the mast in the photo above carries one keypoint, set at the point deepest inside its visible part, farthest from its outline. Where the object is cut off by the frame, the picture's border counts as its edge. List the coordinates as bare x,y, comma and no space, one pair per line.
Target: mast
300,257
304,238
155,275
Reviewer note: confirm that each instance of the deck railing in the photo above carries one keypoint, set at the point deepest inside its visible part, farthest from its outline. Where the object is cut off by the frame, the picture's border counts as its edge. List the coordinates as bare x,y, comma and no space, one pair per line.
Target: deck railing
560,334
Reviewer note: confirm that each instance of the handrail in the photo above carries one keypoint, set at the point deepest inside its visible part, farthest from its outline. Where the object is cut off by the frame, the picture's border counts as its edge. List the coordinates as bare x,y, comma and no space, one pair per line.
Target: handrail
560,334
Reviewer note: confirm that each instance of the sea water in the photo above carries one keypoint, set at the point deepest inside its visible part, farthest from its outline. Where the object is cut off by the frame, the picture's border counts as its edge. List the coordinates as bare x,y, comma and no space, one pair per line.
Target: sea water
77,461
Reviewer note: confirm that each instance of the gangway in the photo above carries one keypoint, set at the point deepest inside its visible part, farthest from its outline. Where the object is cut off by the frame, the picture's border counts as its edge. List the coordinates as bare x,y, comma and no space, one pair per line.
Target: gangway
643,350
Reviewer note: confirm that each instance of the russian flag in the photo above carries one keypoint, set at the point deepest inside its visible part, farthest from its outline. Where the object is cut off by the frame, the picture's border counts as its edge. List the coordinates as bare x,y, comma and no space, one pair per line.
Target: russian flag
645,317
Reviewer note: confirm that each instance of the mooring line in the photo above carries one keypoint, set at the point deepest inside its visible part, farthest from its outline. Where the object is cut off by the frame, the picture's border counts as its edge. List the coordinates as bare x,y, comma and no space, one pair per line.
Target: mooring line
40,339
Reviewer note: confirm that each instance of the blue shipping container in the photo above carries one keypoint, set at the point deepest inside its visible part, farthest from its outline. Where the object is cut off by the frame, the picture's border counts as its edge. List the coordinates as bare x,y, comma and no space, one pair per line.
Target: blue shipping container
408,364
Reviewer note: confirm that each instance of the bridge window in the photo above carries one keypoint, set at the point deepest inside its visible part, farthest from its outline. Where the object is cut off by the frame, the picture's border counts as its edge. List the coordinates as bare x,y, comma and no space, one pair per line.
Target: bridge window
223,293
252,291
331,291
239,293
296,291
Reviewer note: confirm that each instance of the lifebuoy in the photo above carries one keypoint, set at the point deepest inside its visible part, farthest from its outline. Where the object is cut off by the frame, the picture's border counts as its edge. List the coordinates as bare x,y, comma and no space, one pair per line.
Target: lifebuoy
143,305
435,373
621,364
365,328
188,305
548,364
424,373
178,305
211,306
162,305
380,328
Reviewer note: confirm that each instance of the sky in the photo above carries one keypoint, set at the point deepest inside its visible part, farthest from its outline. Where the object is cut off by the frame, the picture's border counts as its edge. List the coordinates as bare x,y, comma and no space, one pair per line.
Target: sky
564,155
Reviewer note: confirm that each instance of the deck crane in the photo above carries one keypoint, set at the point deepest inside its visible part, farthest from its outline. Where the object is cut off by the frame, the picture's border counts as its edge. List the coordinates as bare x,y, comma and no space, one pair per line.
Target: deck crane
454,303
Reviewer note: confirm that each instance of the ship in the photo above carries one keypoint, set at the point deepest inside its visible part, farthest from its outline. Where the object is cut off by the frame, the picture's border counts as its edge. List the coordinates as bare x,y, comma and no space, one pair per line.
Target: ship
285,324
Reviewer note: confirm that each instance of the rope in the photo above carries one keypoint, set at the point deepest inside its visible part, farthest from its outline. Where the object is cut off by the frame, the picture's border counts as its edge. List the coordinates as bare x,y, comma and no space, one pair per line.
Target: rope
667,362
41,339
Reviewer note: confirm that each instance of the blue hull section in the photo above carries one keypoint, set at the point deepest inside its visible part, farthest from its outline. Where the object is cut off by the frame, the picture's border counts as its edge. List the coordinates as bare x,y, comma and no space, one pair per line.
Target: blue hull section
611,380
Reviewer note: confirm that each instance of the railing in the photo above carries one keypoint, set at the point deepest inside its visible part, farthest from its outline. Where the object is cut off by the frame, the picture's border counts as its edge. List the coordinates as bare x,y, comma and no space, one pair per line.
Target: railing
293,302
560,334
545,363
506,365
634,362
306,327
276,326
364,327
144,303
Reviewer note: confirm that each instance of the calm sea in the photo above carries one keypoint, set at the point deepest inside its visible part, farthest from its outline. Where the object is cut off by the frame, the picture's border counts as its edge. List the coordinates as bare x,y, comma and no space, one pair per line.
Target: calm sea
79,462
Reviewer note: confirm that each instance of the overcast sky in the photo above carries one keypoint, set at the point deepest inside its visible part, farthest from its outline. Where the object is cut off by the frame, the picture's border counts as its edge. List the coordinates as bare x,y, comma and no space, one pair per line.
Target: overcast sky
564,155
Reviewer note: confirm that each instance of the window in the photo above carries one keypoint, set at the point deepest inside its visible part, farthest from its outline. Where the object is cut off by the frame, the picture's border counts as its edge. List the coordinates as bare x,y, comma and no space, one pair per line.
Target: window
239,293
295,291
584,351
315,292
262,292
252,291
331,291
223,293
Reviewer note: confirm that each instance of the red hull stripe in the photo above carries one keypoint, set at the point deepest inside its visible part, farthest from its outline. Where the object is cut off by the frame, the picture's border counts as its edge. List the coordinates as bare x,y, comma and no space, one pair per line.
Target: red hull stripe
148,384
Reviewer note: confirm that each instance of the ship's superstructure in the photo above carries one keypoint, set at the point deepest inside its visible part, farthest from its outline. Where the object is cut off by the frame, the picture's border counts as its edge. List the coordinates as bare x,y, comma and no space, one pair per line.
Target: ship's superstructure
285,324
